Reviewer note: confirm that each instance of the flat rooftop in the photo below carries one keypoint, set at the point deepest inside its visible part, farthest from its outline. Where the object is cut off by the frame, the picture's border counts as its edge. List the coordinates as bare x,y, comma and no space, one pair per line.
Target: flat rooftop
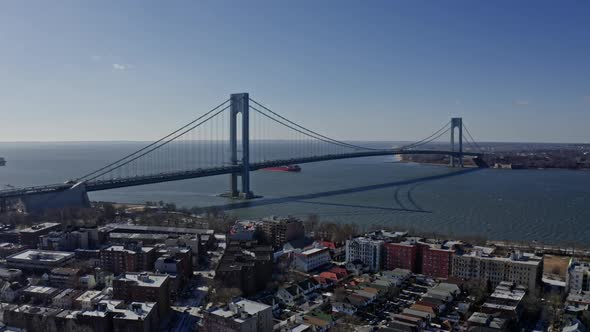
38,310
88,295
66,293
39,227
122,248
135,311
312,251
515,295
146,279
156,229
48,256
525,260
9,245
41,290
252,307
137,236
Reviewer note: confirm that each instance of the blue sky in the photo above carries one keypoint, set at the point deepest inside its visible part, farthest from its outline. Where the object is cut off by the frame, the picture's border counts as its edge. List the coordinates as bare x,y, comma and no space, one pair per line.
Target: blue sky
363,70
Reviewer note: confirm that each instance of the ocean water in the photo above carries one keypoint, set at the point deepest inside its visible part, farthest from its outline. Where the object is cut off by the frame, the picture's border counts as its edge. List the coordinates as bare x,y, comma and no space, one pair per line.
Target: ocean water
550,206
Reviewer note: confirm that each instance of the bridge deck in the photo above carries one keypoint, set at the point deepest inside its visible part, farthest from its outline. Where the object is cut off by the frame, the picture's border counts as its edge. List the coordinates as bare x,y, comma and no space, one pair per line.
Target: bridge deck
198,173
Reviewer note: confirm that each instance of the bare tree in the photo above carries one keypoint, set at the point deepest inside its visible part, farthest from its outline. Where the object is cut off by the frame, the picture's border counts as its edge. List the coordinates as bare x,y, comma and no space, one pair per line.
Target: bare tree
219,293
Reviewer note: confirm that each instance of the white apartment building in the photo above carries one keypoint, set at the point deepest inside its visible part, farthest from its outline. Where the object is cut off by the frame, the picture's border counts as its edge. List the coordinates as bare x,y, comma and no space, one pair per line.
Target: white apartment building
311,259
240,316
578,277
520,269
365,250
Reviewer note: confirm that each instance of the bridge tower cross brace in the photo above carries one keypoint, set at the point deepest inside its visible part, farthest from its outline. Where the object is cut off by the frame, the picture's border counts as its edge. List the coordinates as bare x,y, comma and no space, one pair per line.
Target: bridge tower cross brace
456,160
240,105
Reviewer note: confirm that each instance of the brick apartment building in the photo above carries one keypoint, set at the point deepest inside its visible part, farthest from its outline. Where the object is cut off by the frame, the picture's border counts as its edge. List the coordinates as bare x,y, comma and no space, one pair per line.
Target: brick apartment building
30,236
436,262
131,257
245,265
143,287
402,255
65,277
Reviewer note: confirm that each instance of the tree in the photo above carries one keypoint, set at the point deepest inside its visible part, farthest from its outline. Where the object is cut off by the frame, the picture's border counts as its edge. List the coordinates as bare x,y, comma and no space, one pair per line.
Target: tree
311,223
122,209
170,207
195,210
219,293
339,294
477,289
532,303
345,232
109,211
347,324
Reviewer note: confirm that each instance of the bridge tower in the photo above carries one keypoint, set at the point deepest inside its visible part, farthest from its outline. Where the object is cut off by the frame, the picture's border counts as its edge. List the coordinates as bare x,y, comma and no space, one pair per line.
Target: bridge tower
456,160
240,105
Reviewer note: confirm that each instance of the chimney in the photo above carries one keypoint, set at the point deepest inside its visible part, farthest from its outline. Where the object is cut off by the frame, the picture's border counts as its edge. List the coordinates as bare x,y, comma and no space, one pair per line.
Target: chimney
101,307
136,307
144,277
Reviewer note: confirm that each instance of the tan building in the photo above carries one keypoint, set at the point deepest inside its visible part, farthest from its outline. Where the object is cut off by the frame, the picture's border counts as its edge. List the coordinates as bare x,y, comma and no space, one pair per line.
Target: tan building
521,269
279,231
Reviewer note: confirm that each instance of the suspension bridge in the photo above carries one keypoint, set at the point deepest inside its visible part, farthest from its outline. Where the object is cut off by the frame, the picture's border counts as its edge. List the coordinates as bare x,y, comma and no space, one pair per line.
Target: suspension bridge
238,136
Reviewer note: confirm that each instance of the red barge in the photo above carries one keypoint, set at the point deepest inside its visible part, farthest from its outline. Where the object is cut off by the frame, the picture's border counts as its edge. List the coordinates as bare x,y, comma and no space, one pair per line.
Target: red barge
286,168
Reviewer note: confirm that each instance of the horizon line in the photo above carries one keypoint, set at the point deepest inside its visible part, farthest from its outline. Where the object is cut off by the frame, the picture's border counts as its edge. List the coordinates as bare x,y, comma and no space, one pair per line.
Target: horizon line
207,140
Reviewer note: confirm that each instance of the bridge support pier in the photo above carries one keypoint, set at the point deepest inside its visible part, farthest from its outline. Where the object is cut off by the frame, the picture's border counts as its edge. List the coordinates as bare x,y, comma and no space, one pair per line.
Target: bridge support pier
240,104
456,159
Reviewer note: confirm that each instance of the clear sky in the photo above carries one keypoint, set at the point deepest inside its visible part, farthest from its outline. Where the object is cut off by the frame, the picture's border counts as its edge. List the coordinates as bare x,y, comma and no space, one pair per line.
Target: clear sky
369,70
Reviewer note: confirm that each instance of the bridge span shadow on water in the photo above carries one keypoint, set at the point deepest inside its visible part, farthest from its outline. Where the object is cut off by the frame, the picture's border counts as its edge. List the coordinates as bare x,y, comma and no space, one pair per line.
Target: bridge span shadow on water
304,198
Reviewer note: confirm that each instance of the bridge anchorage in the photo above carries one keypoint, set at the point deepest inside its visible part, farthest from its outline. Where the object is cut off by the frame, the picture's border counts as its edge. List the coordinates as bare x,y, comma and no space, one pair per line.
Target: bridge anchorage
234,138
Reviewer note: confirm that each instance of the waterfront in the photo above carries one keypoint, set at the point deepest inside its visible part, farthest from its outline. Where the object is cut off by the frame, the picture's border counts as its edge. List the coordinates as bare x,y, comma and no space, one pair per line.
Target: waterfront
547,206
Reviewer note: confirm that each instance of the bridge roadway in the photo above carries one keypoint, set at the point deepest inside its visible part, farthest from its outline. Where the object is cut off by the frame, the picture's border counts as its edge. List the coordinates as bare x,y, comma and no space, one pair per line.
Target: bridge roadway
199,173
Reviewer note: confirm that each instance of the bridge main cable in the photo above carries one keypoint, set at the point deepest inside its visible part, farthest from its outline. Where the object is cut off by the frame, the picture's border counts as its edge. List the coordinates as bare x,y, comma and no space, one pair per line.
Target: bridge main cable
123,161
304,133
428,139
471,138
310,133
148,146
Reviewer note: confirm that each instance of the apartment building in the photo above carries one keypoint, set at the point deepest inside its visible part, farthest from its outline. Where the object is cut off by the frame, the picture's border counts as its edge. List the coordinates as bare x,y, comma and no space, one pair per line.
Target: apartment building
131,257
579,274
311,259
365,250
436,261
240,316
143,287
403,255
518,268
279,231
